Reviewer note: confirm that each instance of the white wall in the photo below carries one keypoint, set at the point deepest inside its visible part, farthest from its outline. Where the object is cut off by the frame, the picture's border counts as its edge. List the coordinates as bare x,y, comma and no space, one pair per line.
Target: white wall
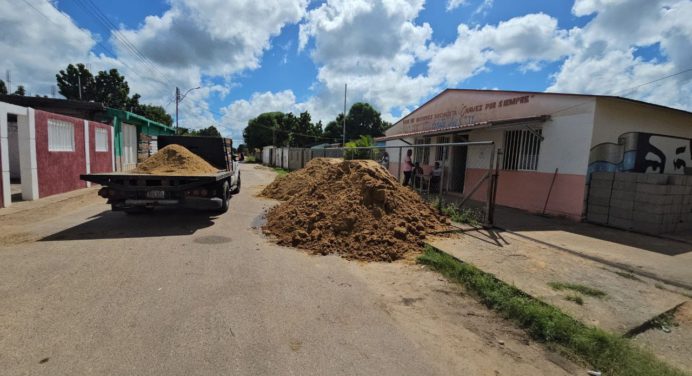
565,146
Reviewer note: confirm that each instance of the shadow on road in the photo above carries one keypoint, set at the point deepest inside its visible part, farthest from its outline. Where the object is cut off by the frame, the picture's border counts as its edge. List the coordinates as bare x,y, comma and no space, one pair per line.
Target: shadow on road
118,225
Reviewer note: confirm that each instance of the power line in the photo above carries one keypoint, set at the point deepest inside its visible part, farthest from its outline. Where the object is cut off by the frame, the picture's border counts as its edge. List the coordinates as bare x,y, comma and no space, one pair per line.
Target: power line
105,21
105,48
625,91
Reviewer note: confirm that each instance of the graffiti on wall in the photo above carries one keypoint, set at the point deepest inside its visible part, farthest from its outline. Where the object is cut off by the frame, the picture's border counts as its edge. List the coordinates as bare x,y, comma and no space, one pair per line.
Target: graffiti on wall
643,152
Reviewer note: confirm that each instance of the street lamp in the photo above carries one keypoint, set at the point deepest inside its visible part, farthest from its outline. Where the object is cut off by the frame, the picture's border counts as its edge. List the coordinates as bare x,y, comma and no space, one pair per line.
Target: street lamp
179,98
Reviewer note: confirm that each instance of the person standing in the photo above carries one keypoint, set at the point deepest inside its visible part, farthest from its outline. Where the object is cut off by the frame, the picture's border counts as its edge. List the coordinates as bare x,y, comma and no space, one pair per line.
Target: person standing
408,167
384,161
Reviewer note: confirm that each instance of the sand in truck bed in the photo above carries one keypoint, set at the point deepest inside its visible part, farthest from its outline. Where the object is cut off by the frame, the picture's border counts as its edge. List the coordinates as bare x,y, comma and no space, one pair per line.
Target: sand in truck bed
175,160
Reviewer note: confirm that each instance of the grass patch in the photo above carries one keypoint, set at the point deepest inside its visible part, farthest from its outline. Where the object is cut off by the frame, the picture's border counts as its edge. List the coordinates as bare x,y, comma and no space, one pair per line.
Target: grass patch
469,216
611,354
575,298
586,290
627,275
280,171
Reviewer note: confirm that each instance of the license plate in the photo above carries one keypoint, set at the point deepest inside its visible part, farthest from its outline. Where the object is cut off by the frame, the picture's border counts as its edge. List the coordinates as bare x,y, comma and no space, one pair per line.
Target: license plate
156,194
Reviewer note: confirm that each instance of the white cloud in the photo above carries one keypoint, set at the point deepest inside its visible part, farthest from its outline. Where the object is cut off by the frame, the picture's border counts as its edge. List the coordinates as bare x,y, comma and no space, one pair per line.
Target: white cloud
528,40
37,41
453,4
604,59
371,46
238,113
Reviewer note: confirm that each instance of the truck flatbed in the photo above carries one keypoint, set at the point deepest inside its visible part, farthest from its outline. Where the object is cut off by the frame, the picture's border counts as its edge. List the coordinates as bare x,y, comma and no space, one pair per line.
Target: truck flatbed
135,181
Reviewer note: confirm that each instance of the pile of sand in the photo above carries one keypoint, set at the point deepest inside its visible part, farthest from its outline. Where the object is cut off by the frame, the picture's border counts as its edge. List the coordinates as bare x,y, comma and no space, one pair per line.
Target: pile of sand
353,208
175,160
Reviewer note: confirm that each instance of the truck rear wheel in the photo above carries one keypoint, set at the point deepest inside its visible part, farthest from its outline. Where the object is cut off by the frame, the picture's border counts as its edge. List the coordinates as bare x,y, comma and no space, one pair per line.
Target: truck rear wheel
225,197
236,190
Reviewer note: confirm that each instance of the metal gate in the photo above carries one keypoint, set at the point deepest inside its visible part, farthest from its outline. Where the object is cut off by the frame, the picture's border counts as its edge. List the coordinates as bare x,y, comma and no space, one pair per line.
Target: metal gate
129,149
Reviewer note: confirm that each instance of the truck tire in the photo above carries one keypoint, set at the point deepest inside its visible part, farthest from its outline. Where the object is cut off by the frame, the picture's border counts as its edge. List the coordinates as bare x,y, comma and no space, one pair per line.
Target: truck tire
225,197
236,190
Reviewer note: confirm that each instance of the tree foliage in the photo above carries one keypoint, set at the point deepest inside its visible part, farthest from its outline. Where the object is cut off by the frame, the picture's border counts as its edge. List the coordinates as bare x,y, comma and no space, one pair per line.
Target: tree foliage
3,87
20,91
286,129
107,87
208,131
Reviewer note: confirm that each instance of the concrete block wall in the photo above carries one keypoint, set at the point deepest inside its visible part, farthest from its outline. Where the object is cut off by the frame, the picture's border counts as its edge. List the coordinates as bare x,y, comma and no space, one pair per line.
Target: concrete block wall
648,203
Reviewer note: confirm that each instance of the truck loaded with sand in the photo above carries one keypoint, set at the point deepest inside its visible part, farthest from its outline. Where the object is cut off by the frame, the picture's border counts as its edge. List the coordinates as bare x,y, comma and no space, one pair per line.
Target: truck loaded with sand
186,171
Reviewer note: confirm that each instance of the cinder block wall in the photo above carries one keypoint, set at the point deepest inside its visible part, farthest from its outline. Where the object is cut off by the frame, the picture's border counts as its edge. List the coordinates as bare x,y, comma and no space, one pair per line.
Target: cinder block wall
648,203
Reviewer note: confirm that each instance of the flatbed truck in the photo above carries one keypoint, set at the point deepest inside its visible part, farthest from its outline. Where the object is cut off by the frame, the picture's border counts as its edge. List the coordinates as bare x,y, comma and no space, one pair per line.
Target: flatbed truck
137,193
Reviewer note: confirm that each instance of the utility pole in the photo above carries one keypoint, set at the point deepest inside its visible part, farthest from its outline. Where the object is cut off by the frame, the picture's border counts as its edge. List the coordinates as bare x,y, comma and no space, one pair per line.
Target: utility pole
79,84
8,75
343,138
177,100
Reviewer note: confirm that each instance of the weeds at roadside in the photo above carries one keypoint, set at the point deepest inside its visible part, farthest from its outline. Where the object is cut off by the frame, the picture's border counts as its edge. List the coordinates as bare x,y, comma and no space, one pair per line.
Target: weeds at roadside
586,290
627,275
611,354
575,298
473,217
280,171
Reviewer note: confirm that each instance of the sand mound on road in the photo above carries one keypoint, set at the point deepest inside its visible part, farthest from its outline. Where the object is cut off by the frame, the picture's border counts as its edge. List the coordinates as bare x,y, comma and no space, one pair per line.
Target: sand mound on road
175,160
353,208
287,186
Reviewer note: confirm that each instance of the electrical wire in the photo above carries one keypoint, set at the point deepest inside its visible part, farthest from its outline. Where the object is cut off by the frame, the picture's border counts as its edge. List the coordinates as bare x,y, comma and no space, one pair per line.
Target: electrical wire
100,17
105,48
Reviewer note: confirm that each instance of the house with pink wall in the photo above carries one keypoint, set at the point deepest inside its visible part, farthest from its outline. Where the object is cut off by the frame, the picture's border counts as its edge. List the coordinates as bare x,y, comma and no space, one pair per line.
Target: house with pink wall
545,145
43,153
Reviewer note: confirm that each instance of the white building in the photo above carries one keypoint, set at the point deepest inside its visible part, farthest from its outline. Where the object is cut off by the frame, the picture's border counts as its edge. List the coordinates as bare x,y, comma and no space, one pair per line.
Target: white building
542,136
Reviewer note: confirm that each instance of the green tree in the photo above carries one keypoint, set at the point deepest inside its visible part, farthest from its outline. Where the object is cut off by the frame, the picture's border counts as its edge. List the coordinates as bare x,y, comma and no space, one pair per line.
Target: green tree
20,91
111,89
334,129
3,87
70,79
208,131
362,119
303,131
264,130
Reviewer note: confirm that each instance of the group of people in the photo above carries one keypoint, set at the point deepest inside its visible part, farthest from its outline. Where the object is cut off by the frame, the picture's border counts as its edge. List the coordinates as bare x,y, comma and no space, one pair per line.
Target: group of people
413,172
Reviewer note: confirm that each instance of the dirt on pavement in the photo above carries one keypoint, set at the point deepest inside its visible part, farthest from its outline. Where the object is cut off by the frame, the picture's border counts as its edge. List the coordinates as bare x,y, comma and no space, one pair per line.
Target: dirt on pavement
355,209
22,222
175,160
671,341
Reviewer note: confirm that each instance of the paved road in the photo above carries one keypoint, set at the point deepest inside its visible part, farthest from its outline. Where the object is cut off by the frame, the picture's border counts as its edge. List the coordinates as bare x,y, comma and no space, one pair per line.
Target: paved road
188,294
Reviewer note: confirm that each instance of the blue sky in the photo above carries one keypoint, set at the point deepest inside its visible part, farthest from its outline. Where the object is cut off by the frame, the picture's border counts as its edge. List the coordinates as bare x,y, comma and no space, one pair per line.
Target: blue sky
296,55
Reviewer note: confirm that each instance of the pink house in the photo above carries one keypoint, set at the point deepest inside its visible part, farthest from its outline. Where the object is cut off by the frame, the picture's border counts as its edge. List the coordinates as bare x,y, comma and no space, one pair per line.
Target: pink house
43,153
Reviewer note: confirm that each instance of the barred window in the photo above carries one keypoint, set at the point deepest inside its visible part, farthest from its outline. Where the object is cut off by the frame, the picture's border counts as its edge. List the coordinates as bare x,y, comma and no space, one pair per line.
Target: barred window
422,154
440,149
522,148
60,135
101,139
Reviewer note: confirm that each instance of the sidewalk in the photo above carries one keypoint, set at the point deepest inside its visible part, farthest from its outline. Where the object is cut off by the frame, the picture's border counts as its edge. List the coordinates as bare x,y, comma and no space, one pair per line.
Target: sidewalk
629,300
661,259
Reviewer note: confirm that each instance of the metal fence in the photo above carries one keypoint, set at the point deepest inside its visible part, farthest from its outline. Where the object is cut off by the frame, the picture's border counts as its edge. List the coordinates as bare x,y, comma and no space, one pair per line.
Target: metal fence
459,177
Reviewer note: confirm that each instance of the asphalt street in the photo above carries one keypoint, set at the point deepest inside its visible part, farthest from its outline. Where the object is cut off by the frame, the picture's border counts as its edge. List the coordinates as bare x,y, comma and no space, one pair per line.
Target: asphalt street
186,293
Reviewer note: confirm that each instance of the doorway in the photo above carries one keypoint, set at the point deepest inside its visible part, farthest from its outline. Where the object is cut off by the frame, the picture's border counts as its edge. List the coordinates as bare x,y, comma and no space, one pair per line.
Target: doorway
13,153
458,164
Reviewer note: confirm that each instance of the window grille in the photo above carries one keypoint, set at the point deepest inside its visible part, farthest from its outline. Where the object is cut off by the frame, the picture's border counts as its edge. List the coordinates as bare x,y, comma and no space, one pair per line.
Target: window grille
422,154
440,149
522,148
101,139
60,135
